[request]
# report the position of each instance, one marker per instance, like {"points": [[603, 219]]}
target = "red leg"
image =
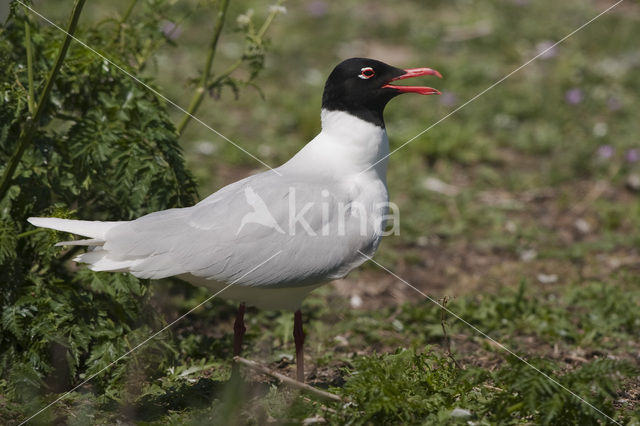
{"points": [[298, 336], [238, 331]]}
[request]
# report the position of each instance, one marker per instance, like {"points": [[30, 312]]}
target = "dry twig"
{"points": [[287, 380]]}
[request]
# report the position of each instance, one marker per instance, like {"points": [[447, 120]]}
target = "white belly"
{"points": [[287, 298]]}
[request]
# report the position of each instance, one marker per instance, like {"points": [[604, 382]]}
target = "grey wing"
{"points": [[307, 229]]}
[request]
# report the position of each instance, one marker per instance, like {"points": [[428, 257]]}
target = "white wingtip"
{"points": [[91, 229], [90, 242], [37, 221]]}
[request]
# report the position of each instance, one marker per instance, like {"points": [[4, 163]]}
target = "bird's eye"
{"points": [[366, 73]]}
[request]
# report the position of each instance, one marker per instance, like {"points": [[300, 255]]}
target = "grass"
{"points": [[537, 246]]}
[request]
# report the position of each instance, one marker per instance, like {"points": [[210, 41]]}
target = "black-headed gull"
{"points": [[279, 234]]}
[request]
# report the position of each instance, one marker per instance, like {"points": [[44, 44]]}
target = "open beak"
{"points": [[415, 72]]}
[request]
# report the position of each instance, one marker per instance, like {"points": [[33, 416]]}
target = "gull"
{"points": [[305, 223]]}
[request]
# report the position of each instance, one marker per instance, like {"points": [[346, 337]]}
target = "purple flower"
{"points": [[632, 155], [546, 46], [614, 103], [574, 96], [606, 151], [317, 8], [448, 99], [170, 30]]}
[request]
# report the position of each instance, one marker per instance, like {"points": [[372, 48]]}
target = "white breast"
{"points": [[345, 151], [346, 146]]}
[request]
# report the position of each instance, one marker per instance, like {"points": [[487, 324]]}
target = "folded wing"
{"points": [[312, 227]]}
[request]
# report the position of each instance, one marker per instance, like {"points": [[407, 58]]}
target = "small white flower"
{"points": [[528, 255], [355, 301], [206, 148], [547, 278], [265, 150], [460, 412], [245, 19], [276, 8], [600, 129]]}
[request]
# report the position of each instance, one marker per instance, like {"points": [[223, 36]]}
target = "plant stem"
{"points": [[30, 127], [27, 41], [202, 87], [267, 22], [127, 13], [31, 232], [226, 73], [155, 46], [447, 339], [122, 22]]}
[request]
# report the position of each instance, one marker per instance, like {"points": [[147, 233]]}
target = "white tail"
{"points": [[96, 257]]}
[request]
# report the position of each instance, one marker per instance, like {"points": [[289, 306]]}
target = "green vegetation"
{"points": [[92, 141], [408, 387], [534, 241]]}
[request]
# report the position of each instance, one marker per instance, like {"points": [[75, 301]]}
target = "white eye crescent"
{"points": [[366, 73]]}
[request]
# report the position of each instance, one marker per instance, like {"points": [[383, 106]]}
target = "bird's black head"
{"points": [[361, 87]]}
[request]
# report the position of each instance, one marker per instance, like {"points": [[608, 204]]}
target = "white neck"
{"points": [[346, 145]]}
